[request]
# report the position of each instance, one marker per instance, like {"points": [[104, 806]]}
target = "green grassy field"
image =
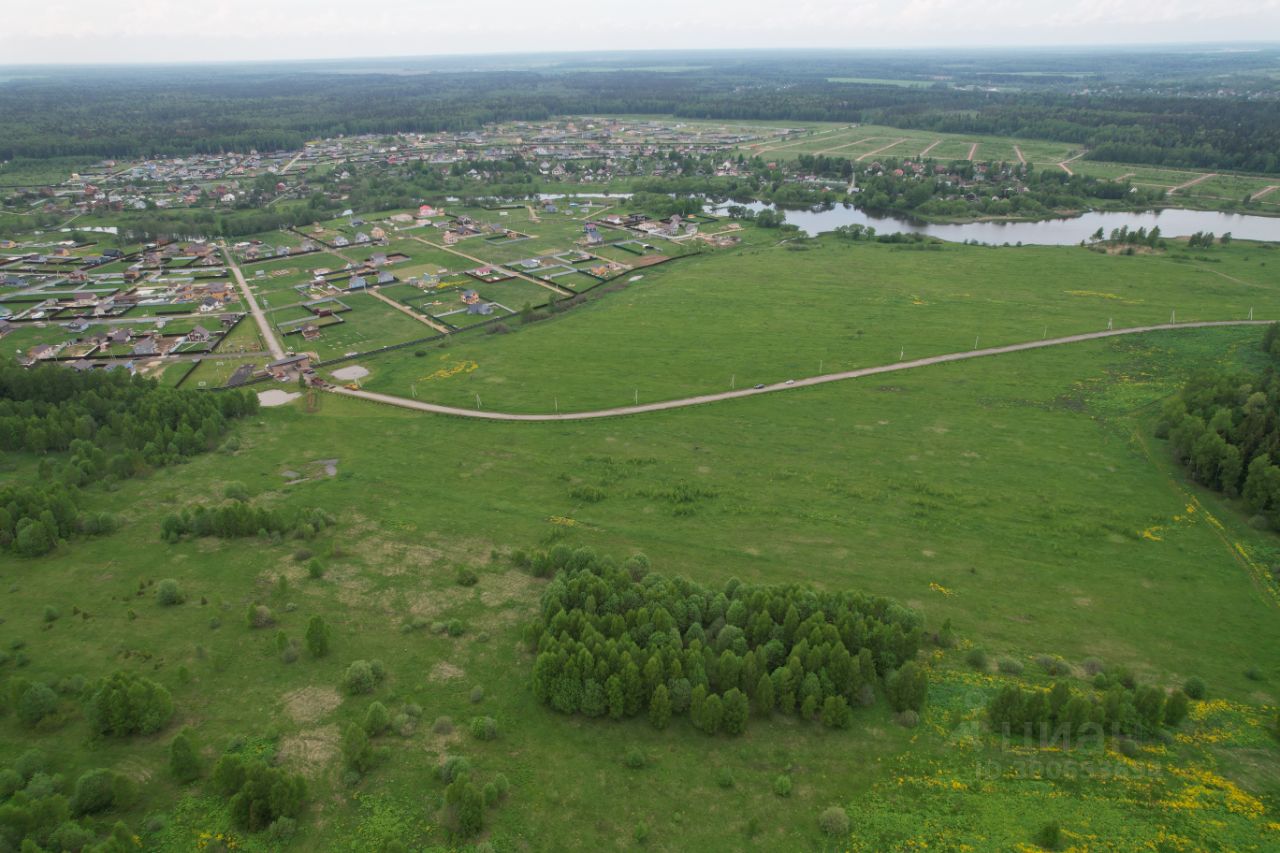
{"points": [[768, 313], [1008, 495]]}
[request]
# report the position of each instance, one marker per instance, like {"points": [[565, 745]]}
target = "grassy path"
{"points": [[781, 386]]}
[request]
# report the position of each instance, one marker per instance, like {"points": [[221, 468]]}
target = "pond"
{"points": [[1055, 232]]}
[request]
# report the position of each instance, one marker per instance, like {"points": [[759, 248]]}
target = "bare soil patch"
{"points": [[309, 704], [311, 751]]}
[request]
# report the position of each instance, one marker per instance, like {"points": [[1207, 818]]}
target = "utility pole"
{"points": [[477, 401], [1173, 316], [637, 396], [733, 381], [975, 342]]}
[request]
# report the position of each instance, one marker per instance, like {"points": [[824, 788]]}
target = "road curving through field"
{"points": [[703, 399]]}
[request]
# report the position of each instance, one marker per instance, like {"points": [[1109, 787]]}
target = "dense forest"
{"points": [[1137, 108], [618, 641], [93, 427]]}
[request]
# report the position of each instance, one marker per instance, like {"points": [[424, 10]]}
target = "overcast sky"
{"points": [[61, 31]]}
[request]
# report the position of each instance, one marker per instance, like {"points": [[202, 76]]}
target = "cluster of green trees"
{"points": [[998, 189], [259, 795], [94, 426], [1122, 236], [1063, 713], [238, 519], [618, 641], [1204, 240], [39, 811], [1225, 428]]}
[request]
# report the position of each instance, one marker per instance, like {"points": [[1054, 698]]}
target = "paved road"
{"points": [[268, 334], [780, 386]]}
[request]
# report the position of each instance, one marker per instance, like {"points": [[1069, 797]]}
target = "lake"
{"points": [[1054, 232]]}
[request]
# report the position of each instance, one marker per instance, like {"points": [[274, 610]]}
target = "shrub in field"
{"points": [[782, 785], [260, 616], [357, 752], [634, 758], [834, 821], [466, 576], [463, 808], [125, 704], [362, 676], [453, 768], [1009, 666], [377, 719], [36, 702], [259, 795], [977, 658], [184, 759], [100, 790], [168, 593], [908, 688], [317, 637], [442, 725], [477, 694], [1195, 688], [483, 728]]}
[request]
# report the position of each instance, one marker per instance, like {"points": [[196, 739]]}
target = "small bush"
{"points": [[453, 768], [377, 719], [782, 785], [1128, 747], [977, 658], [1252, 673], [1091, 666], [1195, 688], [466, 576], [1053, 665], [315, 569], [168, 593], [442, 725], [361, 677], [908, 719], [260, 616], [1049, 836], [455, 628], [51, 613], [236, 491], [95, 792], [1009, 666], [724, 777], [634, 758], [477, 694], [641, 833], [483, 728], [834, 821], [36, 702]]}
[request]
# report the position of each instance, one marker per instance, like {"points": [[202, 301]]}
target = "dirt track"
{"points": [[780, 386]]}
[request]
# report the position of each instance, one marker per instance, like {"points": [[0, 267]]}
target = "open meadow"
{"points": [[770, 312], [1008, 495]]}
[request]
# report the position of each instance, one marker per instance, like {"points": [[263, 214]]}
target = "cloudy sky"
{"points": [[203, 30]]}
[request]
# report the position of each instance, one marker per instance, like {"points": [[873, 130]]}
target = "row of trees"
{"points": [[617, 641], [1225, 428], [94, 426], [1062, 713], [239, 519]]}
